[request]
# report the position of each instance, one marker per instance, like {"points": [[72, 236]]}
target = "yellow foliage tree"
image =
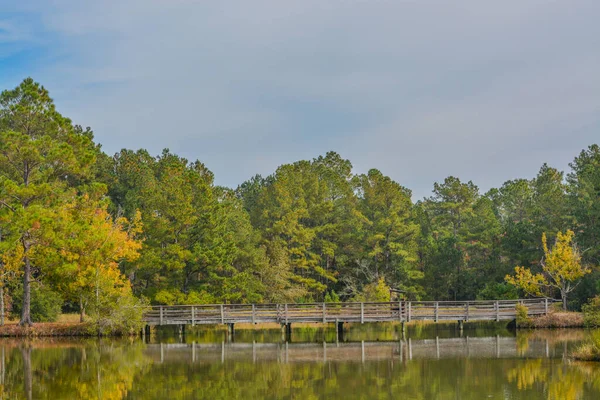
{"points": [[94, 245], [376, 291], [561, 269]]}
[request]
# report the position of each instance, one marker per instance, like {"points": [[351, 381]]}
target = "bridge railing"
{"points": [[343, 312]]}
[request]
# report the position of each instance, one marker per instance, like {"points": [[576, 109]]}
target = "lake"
{"points": [[427, 364]]}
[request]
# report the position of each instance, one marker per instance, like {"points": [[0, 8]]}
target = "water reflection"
{"points": [[528, 366], [437, 348]]}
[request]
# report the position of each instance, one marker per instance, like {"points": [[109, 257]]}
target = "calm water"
{"points": [[434, 365]]}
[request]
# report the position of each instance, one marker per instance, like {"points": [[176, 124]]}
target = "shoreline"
{"points": [[555, 320]]}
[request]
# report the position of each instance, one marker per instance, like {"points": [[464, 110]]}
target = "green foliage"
{"points": [[174, 296], [46, 304], [103, 230], [331, 297], [591, 313], [43, 157], [498, 291], [374, 292]]}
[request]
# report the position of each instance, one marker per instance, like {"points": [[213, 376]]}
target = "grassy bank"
{"points": [[553, 320], [65, 325]]}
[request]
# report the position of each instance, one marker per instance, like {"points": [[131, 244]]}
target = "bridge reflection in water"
{"points": [[404, 350]]}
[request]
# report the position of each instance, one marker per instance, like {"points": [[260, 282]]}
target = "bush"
{"points": [[45, 303], [591, 313], [522, 315], [119, 314]]}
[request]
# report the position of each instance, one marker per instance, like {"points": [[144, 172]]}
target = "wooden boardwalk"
{"points": [[400, 311]]}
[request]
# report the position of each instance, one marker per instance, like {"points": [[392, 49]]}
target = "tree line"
{"points": [[102, 233]]}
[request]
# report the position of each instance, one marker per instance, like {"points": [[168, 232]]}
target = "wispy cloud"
{"points": [[484, 90]]}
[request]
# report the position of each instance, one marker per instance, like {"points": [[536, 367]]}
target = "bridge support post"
{"points": [[230, 332], [147, 329], [339, 331], [288, 331], [403, 329]]}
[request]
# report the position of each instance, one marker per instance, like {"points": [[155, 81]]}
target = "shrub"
{"points": [[120, 315], [45, 303], [522, 315], [591, 312]]}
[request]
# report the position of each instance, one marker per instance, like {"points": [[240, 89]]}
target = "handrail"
{"points": [[400, 310]]}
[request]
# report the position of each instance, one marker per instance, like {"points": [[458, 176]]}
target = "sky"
{"points": [[483, 90]]}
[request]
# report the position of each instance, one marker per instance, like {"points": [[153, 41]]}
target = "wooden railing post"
{"points": [[546, 306], [362, 313], [408, 318], [161, 315], [436, 311], [286, 313], [193, 316], [497, 311], [324, 320], [467, 311], [222, 314], [253, 314]]}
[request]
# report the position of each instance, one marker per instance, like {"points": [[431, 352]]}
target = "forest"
{"points": [[104, 234]]}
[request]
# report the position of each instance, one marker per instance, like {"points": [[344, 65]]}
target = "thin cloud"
{"points": [[484, 90]]}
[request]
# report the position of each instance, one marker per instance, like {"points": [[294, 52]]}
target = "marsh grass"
{"points": [[554, 320], [590, 349]]}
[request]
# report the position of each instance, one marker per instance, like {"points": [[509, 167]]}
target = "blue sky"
{"points": [[486, 91]]}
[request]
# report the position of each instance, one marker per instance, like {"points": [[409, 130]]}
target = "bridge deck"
{"points": [[343, 312]]}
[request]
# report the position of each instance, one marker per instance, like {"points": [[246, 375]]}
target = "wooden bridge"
{"points": [[400, 311]]}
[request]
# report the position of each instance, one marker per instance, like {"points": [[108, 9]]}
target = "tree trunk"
{"points": [[564, 300], [1, 304], [81, 310], [26, 311], [27, 375]]}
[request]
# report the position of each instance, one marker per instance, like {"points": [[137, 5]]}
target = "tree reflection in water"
{"points": [[527, 367]]}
